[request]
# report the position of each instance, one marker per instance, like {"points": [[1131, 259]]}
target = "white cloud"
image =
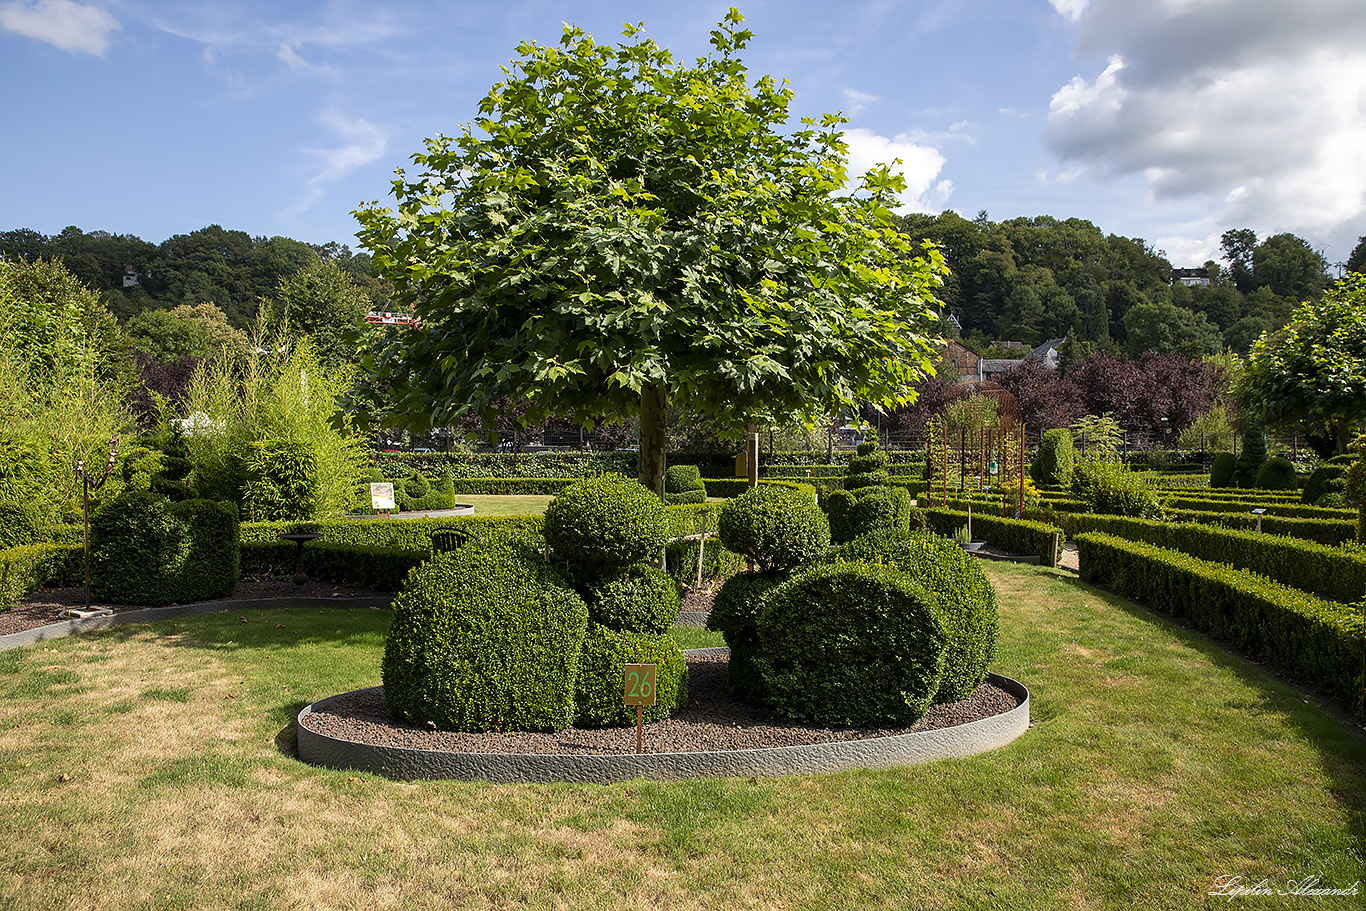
{"points": [[920, 165], [1190, 252], [290, 57], [857, 101], [62, 23], [1261, 113], [1070, 9], [362, 143]]}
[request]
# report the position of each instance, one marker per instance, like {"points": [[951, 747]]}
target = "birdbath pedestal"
{"points": [[300, 538]]}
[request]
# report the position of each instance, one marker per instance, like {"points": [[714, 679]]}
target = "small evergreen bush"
{"points": [[868, 468], [734, 614], [137, 549], [1328, 480], [1222, 469], [1056, 460], [1277, 473], [484, 639], [599, 690], [857, 512], [639, 599], [1252, 457], [683, 484], [611, 521], [851, 644], [213, 563], [776, 528]]}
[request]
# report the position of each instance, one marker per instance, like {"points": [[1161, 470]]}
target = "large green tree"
{"points": [[323, 301], [617, 232], [1314, 369]]}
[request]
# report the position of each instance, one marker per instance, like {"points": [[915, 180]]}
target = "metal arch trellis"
{"points": [[89, 485]]}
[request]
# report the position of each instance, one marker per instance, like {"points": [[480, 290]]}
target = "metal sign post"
{"points": [[640, 692]]}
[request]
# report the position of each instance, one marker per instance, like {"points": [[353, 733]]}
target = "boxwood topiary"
{"points": [[966, 600], [137, 548], [599, 691], [1221, 470], [1277, 473], [734, 614], [640, 599], [609, 521], [777, 528], [1328, 480], [851, 644], [484, 638], [212, 566], [1056, 459], [857, 512]]}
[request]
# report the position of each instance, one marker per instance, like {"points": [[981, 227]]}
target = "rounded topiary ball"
{"points": [[606, 521], [1277, 473], [600, 688], [641, 599], [484, 639], [1222, 469], [851, 644], [952, 577], [777, 528]]}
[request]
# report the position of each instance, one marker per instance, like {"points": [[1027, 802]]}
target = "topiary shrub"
{"points": [[1221, 470], [1251, 459], [604, 522], [868, 468], [734, 614], [137, 550], [683, 484], [1056, 460], [484, 639], [213, 563], [599, 690], [857, 512], [640, 599], [1109, 488], [965, 595], [778, 529], [1326, 481], [1277, 473], [851, 644]]}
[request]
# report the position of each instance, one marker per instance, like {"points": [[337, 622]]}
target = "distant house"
{"points": [[1191, 278], [131, 278], [973, 369]]}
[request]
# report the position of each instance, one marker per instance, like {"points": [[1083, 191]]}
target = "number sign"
{"points": [[640, 684]]}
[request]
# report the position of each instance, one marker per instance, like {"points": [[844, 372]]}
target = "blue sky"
{"points": [[1170, 120]]}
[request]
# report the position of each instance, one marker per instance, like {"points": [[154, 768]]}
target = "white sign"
{"points": [[382, 495]]}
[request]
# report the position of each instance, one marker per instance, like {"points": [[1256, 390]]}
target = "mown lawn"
{"points": [[150, 767]]}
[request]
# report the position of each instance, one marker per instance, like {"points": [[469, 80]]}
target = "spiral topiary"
{"points": [[778, 529], [605, 522], [851, 644]]}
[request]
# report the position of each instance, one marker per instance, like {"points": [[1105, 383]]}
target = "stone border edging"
{"points": [[809, 759], [151, 614]]}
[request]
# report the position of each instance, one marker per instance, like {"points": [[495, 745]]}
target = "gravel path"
{"points": [[708, 722]]}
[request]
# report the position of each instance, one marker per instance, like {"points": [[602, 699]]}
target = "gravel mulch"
{"points": [[708, 722]]}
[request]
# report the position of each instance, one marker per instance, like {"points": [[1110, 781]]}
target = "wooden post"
{"points": [[1019, 510], [753, 448]]}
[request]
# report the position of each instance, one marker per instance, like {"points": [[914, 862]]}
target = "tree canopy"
{"points": [[1315, 368], [617, 231]]}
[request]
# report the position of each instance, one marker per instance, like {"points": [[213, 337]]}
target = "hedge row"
{"points": [[1331, 532], [1320, 640], [29, 567], [726, 488], [1251, 500], [506, 486], [557, 463], [1262, 496], [397, 534], [1018, 536], [381, 569], [1327, 572], [906, 471]]}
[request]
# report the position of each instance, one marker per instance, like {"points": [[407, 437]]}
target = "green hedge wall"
{"points": [[1328, 572], [505, 486], [380, 569], [728, 488], [717, 563], [1331, 532], [26, 568], [399, 534], [1018, 536], [1251, 500], [1321, 640]]}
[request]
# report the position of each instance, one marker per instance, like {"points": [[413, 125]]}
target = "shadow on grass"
{"points": [[1334, 732]]}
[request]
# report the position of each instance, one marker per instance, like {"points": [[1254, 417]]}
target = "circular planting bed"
{"points": [[711, 736]]}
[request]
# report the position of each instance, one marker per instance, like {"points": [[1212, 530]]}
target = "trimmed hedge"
{"points": [[28, 567], [380, 569], [598, 692], [1328, 572], [1055, 460], [1316, 639], [484, 639], [1018, 536], [717, 562], [857, 512], [735, 615], [728, 488], [1222, 469], [23, 522], [1277, 473], [777, 528], [683, 484], [400, 534], [1324, 531], [607, 521], [965, 596], [1249, 501], [851, 644], [506, 486]]}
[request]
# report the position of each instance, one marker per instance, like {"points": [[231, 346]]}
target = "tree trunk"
{"points": [[653, 400], [752, 450]]}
